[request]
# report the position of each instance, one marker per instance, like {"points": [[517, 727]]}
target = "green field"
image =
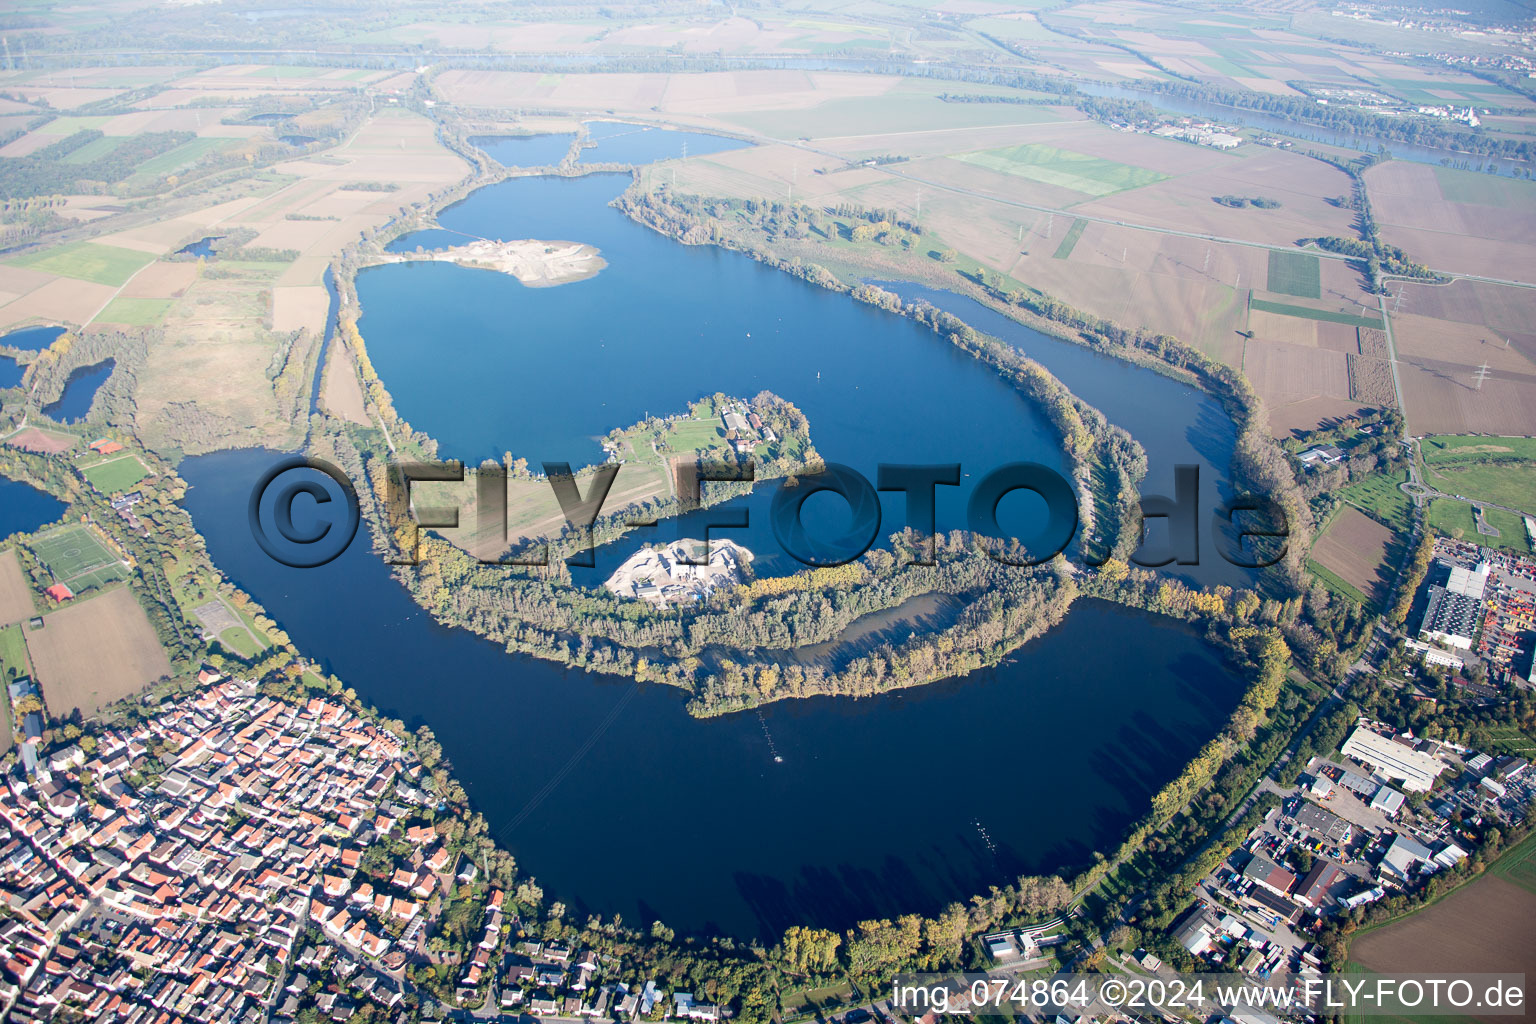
{"points": [[240, 641], [1512, 484], [1455, 518], [1069, 240], [1483, 189], [134, 312], [1308, 313], [69, 125], [13, 653], [1518, 864], [1090, 175], [87, 261], [1446, 449], [1508, 739], [77, 558], [911, 106], [1378, 495], [1295, 273], [94, 150], [1338, 585], [174, 159], [117, 475]]}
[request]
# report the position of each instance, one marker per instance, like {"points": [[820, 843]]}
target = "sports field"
{"points": [[1090, 175], [1295, 273], [116, 475], [95, 652], [78, 558], [87, 261]]}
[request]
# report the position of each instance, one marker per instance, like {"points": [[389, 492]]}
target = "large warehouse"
{"points": [[1387, 757]]}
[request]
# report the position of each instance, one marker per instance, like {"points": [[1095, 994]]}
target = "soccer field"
{"points": [[117, 475], [77, 558]]}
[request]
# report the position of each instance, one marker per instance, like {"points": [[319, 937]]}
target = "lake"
{"points": [[11, 372], [524, 150], [23, 508], [666, 324], [31, 339], [618, 801], [79, 392], [605, 789], [619, 142]]}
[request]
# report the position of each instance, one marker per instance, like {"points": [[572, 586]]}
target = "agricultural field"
{"points": [[1354, 550], [15, 591], [1302, 385], [134, 312], [94, 652], [78, 558], [1380, 495], [86, 261], [1294, 273], [1070, 239], [1312, 313], [1473, 223], [1079, 172], [1489, 920], [116, 475]]}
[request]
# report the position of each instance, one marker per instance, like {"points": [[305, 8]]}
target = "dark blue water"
{"points": [[296, 140], [622, 143], [23, 508], [524, 150], [666, 324], [487, 366], [79, 392], [11, 372], [1175, 423], [31, 339], [202, 247], [873, 811]]}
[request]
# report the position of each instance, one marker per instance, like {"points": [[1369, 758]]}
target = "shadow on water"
{"points": [[822, 810], [23, 508], [873, 808], [74, 404]]}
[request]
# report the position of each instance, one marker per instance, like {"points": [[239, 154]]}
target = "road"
{"points": [[1417, 490]]}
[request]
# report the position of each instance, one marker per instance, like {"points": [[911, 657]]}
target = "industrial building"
{"points": [[1323, 823], [1390, 759], [1450, 618]]}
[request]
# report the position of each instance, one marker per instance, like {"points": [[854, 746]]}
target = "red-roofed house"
{"points": [[59, 593]]}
